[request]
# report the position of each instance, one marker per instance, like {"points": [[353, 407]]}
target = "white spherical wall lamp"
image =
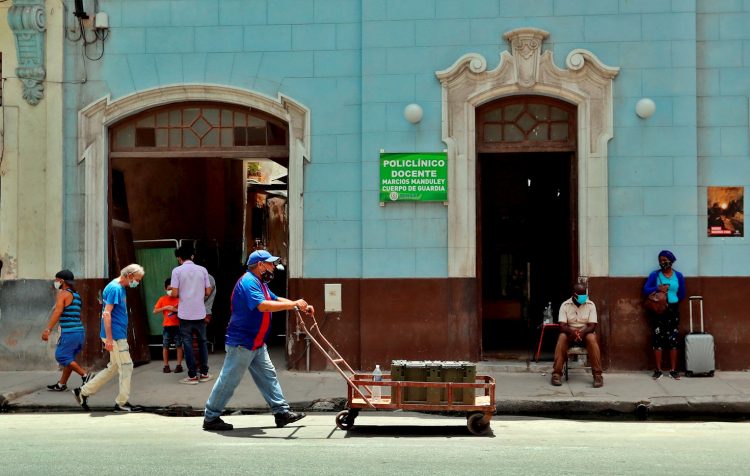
{"points": [[413, 113], [645, 108]]}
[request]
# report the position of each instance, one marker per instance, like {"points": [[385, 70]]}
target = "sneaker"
{"points": [[166, 369], [127, 408], [217, 424], [190, 380], [598, 381], [57, 387], [205, 377], [556, 381], [178, 369], [283, 419], [81, 399], [674, 374], [657, 375], [86, 378]]}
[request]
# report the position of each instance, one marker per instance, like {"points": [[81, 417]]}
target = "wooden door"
{"points": [[123, 254]]}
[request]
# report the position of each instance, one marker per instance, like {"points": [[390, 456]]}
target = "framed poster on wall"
{"points": [[726, 211]]}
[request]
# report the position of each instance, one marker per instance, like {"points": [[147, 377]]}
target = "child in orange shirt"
{"points": [[171, 326]]}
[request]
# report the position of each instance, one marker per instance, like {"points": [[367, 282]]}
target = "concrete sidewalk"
{"points": [[521, 389]]}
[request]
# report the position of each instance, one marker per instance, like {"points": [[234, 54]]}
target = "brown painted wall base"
{"points": [[437, 319], [386, 319], [626, 332], [25, 306]]}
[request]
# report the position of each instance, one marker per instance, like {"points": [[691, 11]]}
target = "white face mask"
{"points": [[169, 292], [57, 284]]}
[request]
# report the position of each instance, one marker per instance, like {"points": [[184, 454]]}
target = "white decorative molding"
{"points": [[587, 83], [95, 119]]}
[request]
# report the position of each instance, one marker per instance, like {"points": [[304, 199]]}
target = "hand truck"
{"points": [[360, 396]]}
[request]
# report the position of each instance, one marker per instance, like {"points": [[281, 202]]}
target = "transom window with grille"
{"points": [[526, 122], [204, 126]]}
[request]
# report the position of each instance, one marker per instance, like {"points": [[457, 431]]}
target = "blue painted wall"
{"points": [[357, 63], [723, 62]]}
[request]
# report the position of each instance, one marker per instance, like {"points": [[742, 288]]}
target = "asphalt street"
{"points": [[380, 443]]}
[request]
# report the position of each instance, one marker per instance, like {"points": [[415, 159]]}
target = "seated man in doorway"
{"points": [[578, 322]]}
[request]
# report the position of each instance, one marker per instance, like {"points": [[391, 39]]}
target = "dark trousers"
{"points": [[186, 329], [592, 346]]}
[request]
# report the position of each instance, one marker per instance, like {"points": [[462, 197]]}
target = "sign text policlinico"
{"points": [[429, 176]]}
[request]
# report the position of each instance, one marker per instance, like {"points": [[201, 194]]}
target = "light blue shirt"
{"points": [[114, 294], [674, 286]]}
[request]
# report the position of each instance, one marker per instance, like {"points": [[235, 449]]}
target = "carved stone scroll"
{"points": [[28, 21]]}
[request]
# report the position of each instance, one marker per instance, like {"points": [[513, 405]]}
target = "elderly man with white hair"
{"points": [[114, 335]]}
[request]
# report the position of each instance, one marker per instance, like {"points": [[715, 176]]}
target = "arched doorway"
{"points": [[527, 216], [526, 69], [208, 174]]}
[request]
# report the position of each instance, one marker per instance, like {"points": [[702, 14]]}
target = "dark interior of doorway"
{"points": [[528, 217], [210, 204]]}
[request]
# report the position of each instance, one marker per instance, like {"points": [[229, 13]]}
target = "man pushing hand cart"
{"points": [[247, 332]]}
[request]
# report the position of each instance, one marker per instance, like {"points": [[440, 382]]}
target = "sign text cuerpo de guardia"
{"points": [[414, 176]]}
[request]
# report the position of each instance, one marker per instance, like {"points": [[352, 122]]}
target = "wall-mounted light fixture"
{"points": [[413, 113], [645, 108]]}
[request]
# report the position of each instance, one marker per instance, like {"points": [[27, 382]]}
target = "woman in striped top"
{"points": [[67, 313]]}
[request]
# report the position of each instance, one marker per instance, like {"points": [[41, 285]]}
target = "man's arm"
{"points": [[175, 282], [590, 327], [107, 320], [569, 331], [60, 303], [208, 292], [284, 304]]}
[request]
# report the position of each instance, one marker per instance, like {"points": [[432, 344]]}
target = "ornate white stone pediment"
{"points": [[526, 69]]}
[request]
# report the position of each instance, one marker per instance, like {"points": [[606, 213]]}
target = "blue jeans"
{"points": [[186, 329], [261, 369]]}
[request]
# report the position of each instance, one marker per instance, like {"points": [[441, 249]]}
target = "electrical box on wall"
{"points": [[333, 298], [101, 21]]}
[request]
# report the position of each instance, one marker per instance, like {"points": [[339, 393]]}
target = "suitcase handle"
{"points": [[700, 300]]}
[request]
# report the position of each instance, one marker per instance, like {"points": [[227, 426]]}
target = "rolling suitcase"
{"points": [[699, 347]]}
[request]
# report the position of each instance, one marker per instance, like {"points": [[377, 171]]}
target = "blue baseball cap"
{"points": [[261, 255]]}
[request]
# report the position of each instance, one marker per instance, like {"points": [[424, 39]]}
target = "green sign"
{"points": [[421, 177]]}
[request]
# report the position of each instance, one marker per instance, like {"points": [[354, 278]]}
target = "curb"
{"points": [[320, 405], [7, 397], [724, 407]]}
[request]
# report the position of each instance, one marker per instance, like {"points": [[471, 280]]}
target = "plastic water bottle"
{"points": [[548, 313], [377, 376]]}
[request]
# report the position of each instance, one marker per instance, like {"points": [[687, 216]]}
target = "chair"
{"points": [[575, 352]]}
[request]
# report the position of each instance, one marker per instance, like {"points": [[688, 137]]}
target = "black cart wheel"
{"points": [[711, 373], [476, 426], [689, 373], [344, 420]]}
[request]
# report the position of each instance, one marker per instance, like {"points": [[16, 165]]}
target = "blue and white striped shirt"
{"points": [[70, 319]]}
